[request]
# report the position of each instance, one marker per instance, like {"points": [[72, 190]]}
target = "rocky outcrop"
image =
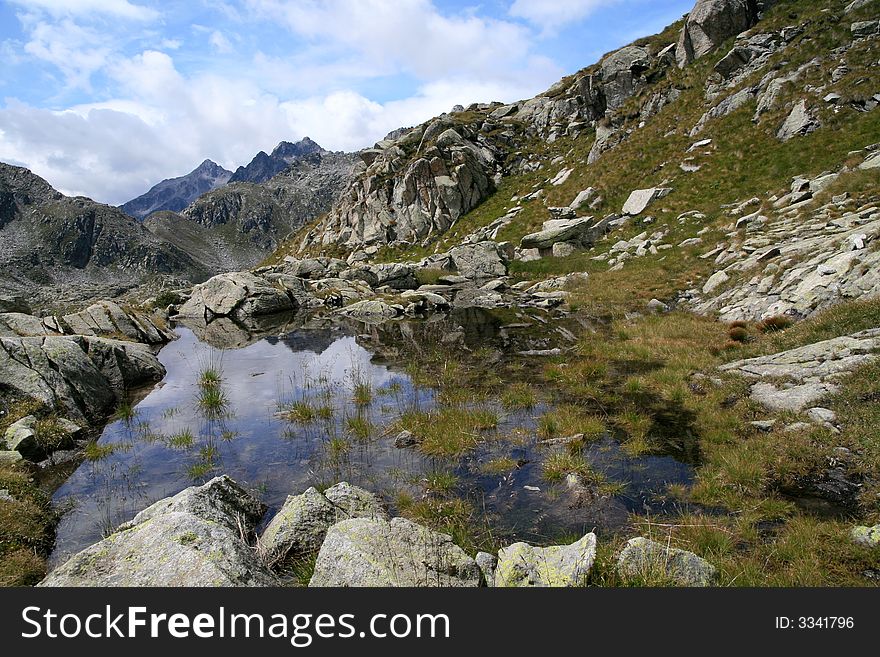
{"points": [[23, 436], [798, 123], [299, 527], [523, 565], [645, 560], [81, 376], [373, 552], [196, 538], [810, 372], [867, 536], [710, 23], [417, 186]]}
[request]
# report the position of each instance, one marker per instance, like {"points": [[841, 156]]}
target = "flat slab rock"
{"points": [[398, 553], [810, 370]]}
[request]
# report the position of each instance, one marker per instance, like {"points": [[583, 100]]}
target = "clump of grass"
{"points": [[125, 412], [429, 276], [325, 412], [96, 452], [774, 323], [568, 420], [210, 377], [362, 393], [499, 466], [301, 412], [636, 425], [519, 396], [337, 448], [360, 427], [440, 482], [448, 431], [181, 440], [50, 434], [213, 401], [559, 465], [738, 334]]}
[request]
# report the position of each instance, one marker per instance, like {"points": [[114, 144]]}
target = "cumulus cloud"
{"points": [[551, 15], [157, 115], [115, 8]]}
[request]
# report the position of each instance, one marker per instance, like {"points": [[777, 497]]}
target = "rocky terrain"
{"points": [[693, 220], [174, 194], [264, 167]]}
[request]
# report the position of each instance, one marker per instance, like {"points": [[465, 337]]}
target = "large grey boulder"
{"points": [[19, 324], [639, 200], [192, 539], [710, 23], [643, 559], [523, 565], [23, 437], [801, 377], [622, 74], [239, 295], [299, 527], [399, 553], [798, 123], [581, 231], [396, 275], [172, 549], [479, 261], [109, 319]]}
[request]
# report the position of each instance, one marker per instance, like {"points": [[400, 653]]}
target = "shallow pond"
{"points": [[175, 437]]}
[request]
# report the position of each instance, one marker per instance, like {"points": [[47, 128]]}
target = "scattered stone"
{"points": [[523, 565], [867, 536], [657, 306], [715, 281], [640, 199], [764, 425], [487, 563], [643, 559], [798, 123], [822, 415]]}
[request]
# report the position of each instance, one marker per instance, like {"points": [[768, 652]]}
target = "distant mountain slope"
{"points": [[263, 167], [60, 249], [238, 225], [176, 193]]}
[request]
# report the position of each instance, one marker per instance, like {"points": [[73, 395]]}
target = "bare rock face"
{"points": [[710, 23], [798, 123]]}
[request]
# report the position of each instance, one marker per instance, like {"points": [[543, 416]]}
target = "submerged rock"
{"points": [[645, 559], [375, 552], [522, 564], [192, 539]]}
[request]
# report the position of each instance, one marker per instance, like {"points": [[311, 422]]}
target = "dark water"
{"points": [[172, 442]]}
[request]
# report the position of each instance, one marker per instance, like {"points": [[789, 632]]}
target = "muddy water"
{"points": [[172, 441]]}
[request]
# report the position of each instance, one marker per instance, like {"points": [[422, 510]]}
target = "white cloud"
{"points": [[409, 35], [76, 51], [220, 43], [551, 15], [115, 8]]}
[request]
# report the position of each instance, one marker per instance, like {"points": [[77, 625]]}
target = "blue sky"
{"points": [[107, 97]]}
